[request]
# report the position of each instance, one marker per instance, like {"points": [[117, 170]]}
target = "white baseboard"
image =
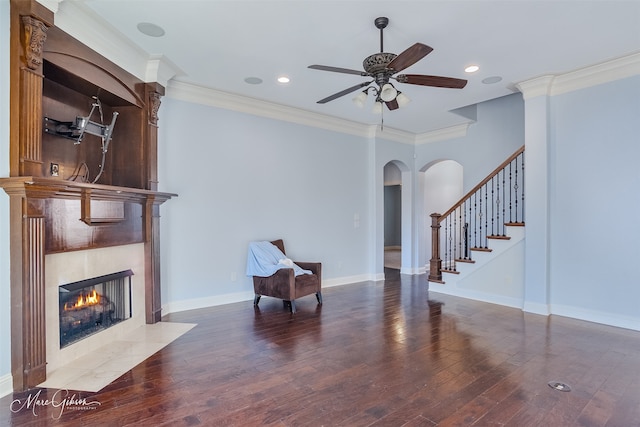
{"points": [[542, 309], [596, 317], [413, 271], [348, 280], [475, 295], [536, 308], [212, 301], [215, 300], [6, 385]]}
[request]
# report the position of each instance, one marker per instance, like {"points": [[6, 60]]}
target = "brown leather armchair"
{"points": [[285, 285]]}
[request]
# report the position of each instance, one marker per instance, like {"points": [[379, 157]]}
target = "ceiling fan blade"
{"points": [[392, 105], [409, 57], [344, 92], [337, 70], [436, 81]]}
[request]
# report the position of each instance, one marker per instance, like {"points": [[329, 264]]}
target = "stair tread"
{"points": [[499, 237]]}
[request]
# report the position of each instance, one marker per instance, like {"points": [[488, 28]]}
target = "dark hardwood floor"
{"points": [[375, 354]]}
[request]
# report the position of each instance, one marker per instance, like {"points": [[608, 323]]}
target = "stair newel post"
{"points": [[435, 264]]}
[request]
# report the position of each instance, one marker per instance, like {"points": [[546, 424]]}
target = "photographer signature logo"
{"points": [[60, 401]]}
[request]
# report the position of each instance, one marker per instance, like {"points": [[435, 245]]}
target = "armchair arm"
{"points": [[279, 285], [315, 267]]}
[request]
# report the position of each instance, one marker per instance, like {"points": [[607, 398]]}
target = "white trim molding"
{"points": [[6, 385], [161, 69], [80, 22], [551, 85], [604, 318], [451, 132], [215, 98]]}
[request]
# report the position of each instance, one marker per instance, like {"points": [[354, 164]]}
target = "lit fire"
{"points": [[84, 300]]}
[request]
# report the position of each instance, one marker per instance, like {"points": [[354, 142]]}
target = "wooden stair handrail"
{"points": [[483, 182]]}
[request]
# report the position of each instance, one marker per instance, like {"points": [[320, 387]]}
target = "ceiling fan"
{"points": [[382, 67]]}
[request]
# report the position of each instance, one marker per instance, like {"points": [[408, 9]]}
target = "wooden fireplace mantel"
{"points": [[53, 75], [44, 188]]}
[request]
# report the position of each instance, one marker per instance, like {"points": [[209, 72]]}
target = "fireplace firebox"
{"points": [[92, 305]]}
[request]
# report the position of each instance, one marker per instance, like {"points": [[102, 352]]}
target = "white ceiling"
{"points": [[217, 44]]}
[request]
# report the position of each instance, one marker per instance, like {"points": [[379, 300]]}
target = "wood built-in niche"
{"points": [[56, 203]]}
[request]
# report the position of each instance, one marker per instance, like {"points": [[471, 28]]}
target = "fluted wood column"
{"points": [[29, 23], [28, 324], [153, 302]]}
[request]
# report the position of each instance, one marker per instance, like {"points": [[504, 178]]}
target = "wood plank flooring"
{"points": [[375, 354]]}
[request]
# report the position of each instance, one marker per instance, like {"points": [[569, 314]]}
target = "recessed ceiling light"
{"points": [[491, 80], [471, 69], [253, 80], [283, 79], [150, 29]]}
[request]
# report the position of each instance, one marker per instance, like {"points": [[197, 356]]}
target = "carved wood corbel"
{"points": [[35, 34], [154, 106]]}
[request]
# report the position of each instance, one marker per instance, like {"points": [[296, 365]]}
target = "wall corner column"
{"points": [[537, 128]]}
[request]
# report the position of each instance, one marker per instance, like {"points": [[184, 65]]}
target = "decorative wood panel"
{"points": [[34, 326], [51, 73]]}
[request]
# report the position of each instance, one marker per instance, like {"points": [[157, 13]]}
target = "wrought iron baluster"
{"points": [[522, 192], [486, 216], [475, 220], [515, 189], [459, 210], [493, 213], [479, 218], [452, 265], [510, 194], [467, 255], [466, 231], [504, 199]]}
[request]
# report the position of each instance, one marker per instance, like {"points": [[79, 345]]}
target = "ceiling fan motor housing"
{"points": [[377, 62]]}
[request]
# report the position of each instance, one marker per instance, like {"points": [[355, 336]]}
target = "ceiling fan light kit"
{"points": [[388, 92], [382, 67]]}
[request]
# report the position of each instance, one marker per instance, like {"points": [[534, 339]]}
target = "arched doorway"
{"points": [[442, 187], [397, 213]]}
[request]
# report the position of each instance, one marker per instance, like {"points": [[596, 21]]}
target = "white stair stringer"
{"points": [[496, 276]]}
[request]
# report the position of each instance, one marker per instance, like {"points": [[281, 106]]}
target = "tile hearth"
{"points": [[95, 370]]}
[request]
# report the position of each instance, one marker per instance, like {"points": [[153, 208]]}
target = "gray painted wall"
{"points": [[594, 202], [242, 178]]}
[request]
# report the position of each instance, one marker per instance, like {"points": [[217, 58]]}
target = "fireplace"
{"points": [[92, 305]]}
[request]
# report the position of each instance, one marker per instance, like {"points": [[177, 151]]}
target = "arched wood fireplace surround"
{"points": [[51, 210]]}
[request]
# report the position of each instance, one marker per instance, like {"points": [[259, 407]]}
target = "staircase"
{"points": [[477, 245]]}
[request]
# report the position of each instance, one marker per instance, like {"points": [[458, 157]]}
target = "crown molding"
{"points": [[215, 98], [451, 132], [395, 135], [605, 72], [161, 69], [80, 22], [539, 86]]}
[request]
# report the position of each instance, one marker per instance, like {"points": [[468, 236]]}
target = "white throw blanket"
{"points": [[264, 259]]}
